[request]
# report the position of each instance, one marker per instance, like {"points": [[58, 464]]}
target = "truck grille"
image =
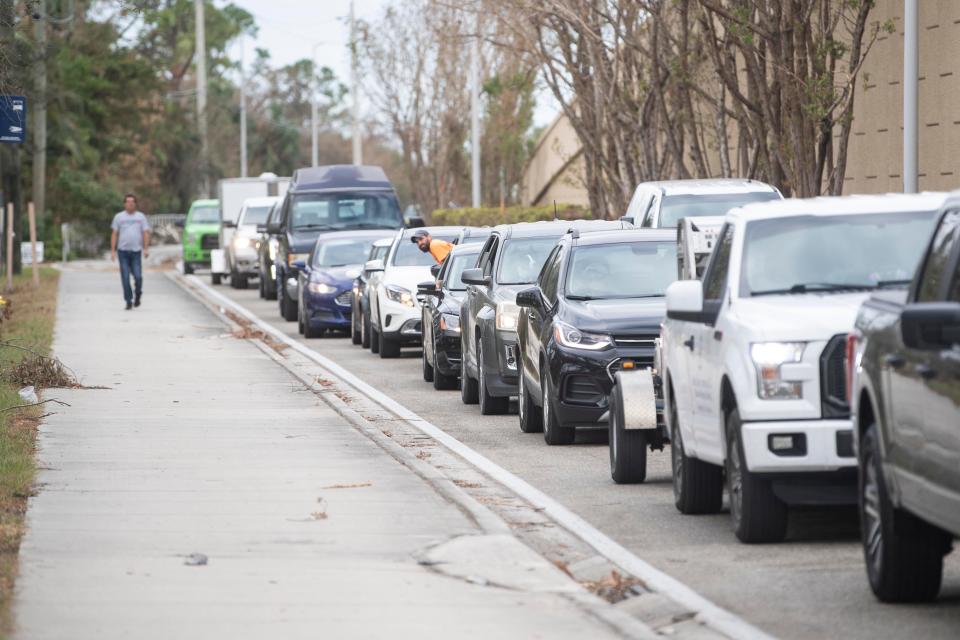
{"points": [[209, 241], [833, 379], [345, 299], [583, 390]]}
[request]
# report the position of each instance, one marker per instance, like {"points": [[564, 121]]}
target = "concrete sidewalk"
{"points": [[201, 444]]}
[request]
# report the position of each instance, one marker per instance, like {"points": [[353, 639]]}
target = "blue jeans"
{"points": [[130, 264]]}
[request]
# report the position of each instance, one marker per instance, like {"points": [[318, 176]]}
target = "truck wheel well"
{"points": [[728, 400], [865, 416]]}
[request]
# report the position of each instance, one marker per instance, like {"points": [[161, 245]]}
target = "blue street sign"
{"points": [[13, 119]]}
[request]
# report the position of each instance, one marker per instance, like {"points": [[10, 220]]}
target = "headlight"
{"points": [[570, 336], [507, 315], [321, 288], [272, 248], [293, 257], [399, 294], [768, 357], [450, 322], [241, 242]]}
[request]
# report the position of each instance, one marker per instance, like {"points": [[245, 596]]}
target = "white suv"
{"points": [[753, 356], [663, 203], [392, 291], [241, 251]]}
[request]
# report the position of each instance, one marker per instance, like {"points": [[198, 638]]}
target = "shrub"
{"points": [[490, 216]]}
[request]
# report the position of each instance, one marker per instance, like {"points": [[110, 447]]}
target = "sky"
{"points": [[290, 29]]}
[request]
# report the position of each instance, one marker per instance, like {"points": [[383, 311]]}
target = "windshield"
{"points": [[345, 211], [454, 272], [818, 253], [205, 215], [340, 253], [622, 270], [409, 255], [255, 215], [523, 259], [689, 206]]}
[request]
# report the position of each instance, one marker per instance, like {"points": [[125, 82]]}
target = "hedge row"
{"points": [[490, 216]]}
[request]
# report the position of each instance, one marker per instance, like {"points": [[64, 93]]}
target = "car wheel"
{"points": [[374, 340], [299, 323], [355, 320], [489, 405], [553, 433], [261, 287], [389, 348], [628, 448], [288, 307], [428, 372], [757, 514], [187, 268], [697, 485], [234, 279], [308, 331], [904, 554], [469, 392], [215, 278], [365, 331], [531, 420], [269, 288]]}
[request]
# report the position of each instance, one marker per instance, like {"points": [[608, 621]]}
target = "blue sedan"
{"points": [[325, 283]]}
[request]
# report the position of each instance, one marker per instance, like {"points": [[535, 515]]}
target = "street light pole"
{"points": [[475, 114], [314, 125], [355, 90], [911, 73], [201, 43], [243, 112]]}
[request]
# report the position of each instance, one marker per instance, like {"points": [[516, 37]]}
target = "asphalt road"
{"points": [[812, 586]]}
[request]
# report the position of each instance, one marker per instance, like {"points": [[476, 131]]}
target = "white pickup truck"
{"points": [[753, 355]]}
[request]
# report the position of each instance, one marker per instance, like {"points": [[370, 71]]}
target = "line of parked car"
{"points": [[791, 352]]}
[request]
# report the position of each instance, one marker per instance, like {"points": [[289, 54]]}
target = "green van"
{"points": [[201, 233]]}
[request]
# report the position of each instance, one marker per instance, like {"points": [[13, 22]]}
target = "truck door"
{"points": [[706, 365]]}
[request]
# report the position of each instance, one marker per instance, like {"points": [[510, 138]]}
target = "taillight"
{"points": [[850, 354]]}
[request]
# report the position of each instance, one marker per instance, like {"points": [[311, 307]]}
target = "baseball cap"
{"points": [[419, 233]]}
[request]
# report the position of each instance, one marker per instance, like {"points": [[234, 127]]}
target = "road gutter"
{"points": [[701, 610]]}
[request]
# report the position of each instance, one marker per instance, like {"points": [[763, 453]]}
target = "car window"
{"points": [[648, 215], [341, 253], [636, 206], [205, 215], [485, 252], [344, 211], [491, 257], [254, 215], [715, 280], [550, 276], [691, 206], [640, 269], [408, 254], [941, 248], [523, 259], [453, 271]]}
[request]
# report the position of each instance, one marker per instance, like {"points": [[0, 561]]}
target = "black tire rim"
{"points": [[735, 478], [872, 522], [676, 452]]}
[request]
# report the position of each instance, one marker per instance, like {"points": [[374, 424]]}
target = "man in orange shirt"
{"points": [[439, 249]]}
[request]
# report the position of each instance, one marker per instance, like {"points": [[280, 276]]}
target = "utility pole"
{"points": [[40, 111], [201, 47], [475, 114], [314, 108], [355, 90], [911, 73], [243, 112]]}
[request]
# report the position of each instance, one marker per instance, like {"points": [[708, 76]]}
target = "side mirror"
{"points": [[413, 222], [299, 265], [685, 300], [428, 288], [529, 297], [930, 325], [475, 277], [228, 224], [373, 265], [180, 224], [261, 228], [435, 269], [273, 228]]}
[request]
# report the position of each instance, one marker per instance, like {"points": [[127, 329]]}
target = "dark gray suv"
{"points": [[509, 261]]}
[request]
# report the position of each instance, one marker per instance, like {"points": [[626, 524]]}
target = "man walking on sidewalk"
{"points": [[131, 236]]}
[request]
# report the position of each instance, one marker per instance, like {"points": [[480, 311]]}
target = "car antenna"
{"points": [[555, 216]]}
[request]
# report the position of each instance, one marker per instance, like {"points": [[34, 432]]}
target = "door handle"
{"points": [[531, 315], [893, 360], [718, 335], [925, 372], [688, 343]]}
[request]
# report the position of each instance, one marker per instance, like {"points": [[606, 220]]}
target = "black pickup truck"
{"points": [[903, 360]]}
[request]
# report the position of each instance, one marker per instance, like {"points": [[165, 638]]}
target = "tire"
{"points": [[531, 420], [553, 433], [758, 515], [489, 405], [187, 268], [215, 278], [628, 448], [697, 485], [261, 287], [365, 331], [300, 323], [904, 554], [355, 320], [288, 307], [428, 372], [234, 279], [269, 289], [469, 390], [374, 340], [309, 332], [388, 348]]}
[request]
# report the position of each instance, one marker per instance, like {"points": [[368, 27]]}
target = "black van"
{"points": [[323, 199]]}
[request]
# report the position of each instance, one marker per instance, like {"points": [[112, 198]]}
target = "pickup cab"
{"points": [[753, 356], [904, 371]]}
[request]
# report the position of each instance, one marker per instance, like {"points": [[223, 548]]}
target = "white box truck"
{"points": [[232, 193]]}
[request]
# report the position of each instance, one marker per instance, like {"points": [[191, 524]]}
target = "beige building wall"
{"points": [[875, 159]]}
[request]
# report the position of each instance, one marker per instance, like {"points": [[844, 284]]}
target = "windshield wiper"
{"points": [[883, 284], [314, 226], [574, 297], [372, 225], [816, 287]]}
